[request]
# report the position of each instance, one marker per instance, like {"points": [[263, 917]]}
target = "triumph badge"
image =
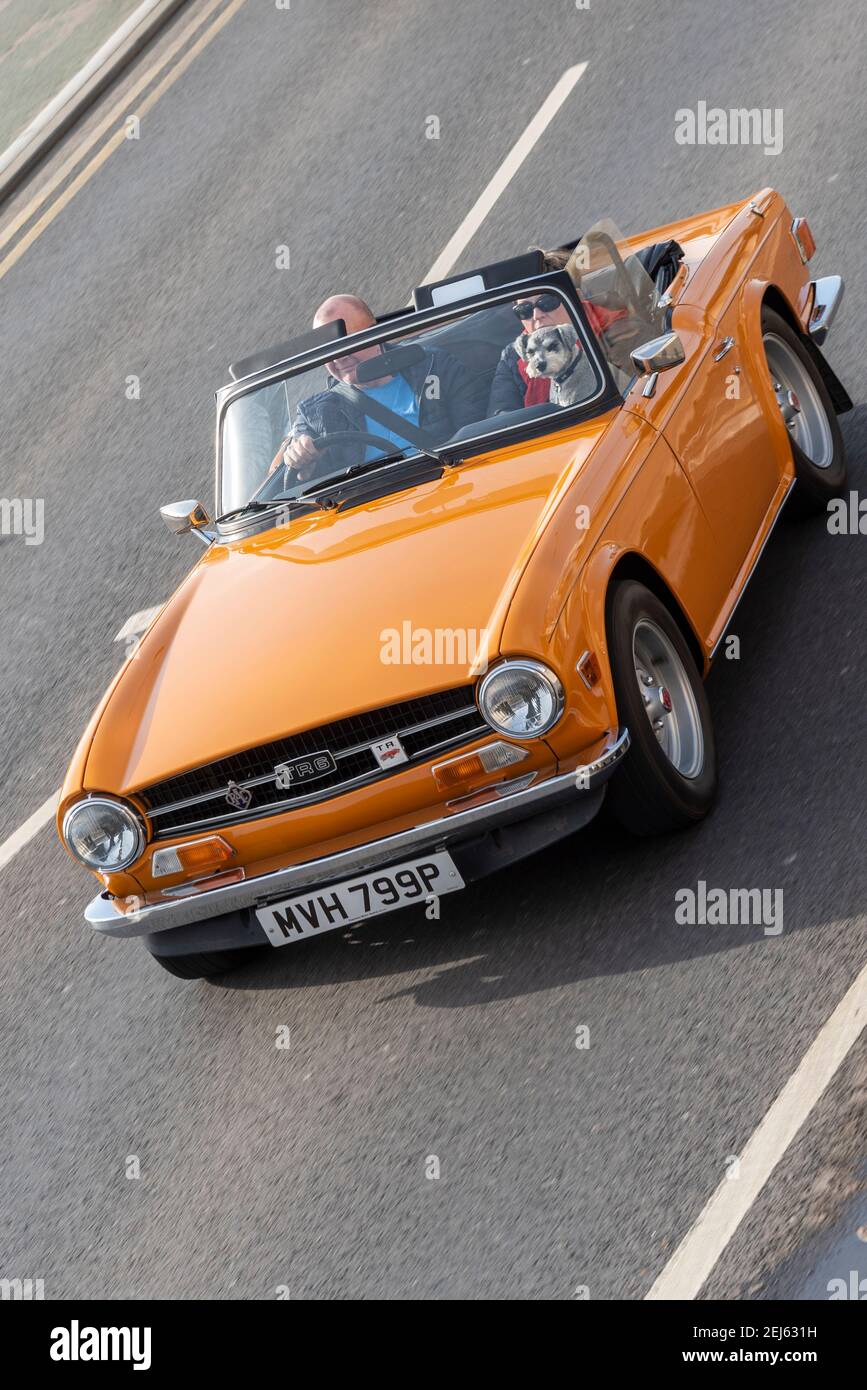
{"points": [[239, 797]]}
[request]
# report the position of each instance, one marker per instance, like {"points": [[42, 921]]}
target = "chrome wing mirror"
{"points": [[181, 517], [655, 356]]}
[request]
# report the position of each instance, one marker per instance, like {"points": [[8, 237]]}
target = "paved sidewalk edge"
{"points": [[55, 119]]}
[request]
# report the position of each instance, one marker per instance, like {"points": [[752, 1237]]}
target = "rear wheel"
{"points": [[668, 778], [809, 416], [206, 966]]}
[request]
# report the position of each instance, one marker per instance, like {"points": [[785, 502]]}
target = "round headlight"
{"points": [[521, 698], [103, 834]]}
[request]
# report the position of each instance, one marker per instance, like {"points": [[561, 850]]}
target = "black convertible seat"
{"points": [[661, 261]]}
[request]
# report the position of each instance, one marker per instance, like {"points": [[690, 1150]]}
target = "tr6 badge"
{"points": [[296, 770]]}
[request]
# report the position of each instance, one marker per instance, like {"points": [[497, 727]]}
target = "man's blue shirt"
{"points": [[396, 395]]}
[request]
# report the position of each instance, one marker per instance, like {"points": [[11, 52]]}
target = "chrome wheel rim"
{"points": [[800, 404], [668, 698]]}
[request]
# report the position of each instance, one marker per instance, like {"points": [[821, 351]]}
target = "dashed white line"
{"points": [[138, 623], [691, 1264], [506, 172], [45, 813], [32, 826]]}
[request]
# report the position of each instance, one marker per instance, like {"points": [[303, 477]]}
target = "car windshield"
{"points": [[406, 393], [620, 299]]}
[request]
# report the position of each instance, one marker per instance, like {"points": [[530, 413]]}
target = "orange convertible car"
{"points": [[467, 571]]}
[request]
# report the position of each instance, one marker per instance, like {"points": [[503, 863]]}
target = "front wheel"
{"points": [[206, 966], [808, 414], [668, 779]]}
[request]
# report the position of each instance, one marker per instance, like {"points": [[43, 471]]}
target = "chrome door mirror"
{"points": [[181, 517], [658, 355]]}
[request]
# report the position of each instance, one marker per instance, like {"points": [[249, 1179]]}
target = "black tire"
{"points": [[648, 794], [816, 486], [206, 967]]}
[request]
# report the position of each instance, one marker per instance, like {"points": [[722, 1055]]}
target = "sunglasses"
{"points": [[526, 309]]}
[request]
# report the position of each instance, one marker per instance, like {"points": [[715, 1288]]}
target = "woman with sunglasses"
{"points": [[511, 388]]}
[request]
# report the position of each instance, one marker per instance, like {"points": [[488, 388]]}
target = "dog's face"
{"points": [[548, 351]]}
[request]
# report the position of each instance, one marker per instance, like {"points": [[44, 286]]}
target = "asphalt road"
{"points": [[560, 1167]]}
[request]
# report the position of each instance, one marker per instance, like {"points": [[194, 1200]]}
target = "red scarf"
{"points": [[538, 387]]}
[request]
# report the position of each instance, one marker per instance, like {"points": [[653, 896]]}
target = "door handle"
{"points": [[725, 346]]}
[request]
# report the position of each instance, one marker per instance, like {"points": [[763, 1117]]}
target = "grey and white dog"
{"points": [[554, 352]]}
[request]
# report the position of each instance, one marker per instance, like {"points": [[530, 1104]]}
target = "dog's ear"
{"points": [[521, 346], [568, 336]]}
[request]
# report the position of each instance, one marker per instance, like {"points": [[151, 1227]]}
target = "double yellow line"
{"points": [[124, 108]]}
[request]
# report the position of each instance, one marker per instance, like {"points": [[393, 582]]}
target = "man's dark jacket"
{"points": [[442, 391]]}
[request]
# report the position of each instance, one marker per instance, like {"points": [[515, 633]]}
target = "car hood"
{"points": [[334, 613]]}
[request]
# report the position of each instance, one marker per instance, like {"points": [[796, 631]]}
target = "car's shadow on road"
{"points": [[791, 727]]}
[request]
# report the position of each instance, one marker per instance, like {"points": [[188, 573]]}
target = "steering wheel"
{"points": [[324, 442]]}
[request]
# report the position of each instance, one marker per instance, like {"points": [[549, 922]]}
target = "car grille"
{"points": [[197, 798]]}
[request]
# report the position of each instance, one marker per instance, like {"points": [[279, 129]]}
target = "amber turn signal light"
{"points": [[804, 239], [489, 759], [588, 670], [195, 857]]}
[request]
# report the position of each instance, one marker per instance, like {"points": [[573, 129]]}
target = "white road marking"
{"points": [[116, 141], [75, 84], [45, 814], [137, 623], [32, 826], [695, 1257], [122, 108], [442, 266]]}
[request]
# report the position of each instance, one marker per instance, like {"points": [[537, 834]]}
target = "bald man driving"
{"points": [[434, 395]]}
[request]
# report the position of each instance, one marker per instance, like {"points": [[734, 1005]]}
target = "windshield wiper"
{"points": [[382, 483], [260, 506], [359, 470], [238, 511], [316, 496]]}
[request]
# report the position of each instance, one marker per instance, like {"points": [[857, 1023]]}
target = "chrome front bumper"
{"points": [[252, 892], [827, 298]]}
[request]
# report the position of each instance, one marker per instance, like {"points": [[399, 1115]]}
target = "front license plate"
{"points": [[355, 899]]}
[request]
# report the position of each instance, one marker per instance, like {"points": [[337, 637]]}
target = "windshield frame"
{"points": [[397, 326]]}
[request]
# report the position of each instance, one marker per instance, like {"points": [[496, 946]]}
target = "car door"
{"points": [[711, 414]]}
